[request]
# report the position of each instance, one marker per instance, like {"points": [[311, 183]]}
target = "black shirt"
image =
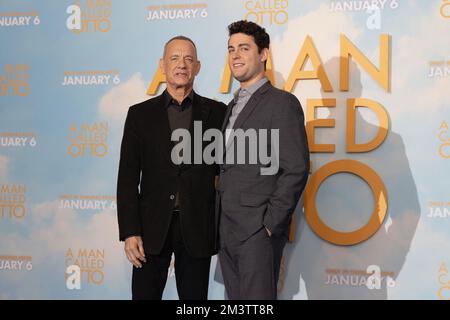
{"points": [[180, 116]]}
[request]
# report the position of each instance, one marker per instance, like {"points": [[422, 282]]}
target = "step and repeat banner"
{"points": [[373, 78]]}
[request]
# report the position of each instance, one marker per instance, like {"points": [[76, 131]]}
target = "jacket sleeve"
{"points": [[293, 160], [128, 180]]}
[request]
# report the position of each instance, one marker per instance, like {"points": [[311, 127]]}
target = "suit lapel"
{"points": [[200, 112], [248, 109], [227, 114], [163, 130], [251, 105]]}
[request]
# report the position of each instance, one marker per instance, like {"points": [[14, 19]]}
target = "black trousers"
{"points": [[191, 273], [251, 268]]}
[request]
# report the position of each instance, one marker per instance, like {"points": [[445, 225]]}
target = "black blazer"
{"points": [[148, 180]]}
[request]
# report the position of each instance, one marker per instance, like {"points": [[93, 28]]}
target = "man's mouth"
{"points": [[238, 65]]}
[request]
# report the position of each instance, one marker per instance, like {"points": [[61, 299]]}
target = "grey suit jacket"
{"points": [[247, 200]]}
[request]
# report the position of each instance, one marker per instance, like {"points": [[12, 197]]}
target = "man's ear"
{"points": [[161, 66], [264, 54], [198, 67]]}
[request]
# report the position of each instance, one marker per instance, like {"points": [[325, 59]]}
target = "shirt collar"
{"points": [[251, 89], [168, 99]]}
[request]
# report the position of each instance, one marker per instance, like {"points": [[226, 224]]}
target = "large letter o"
{"points": [[378, 191]]}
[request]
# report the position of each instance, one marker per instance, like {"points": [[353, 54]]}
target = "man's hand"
{"points": [[134, 249]]}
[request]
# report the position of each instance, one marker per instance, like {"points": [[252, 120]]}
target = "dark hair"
{"points": [[249, 28], [179, 38]]}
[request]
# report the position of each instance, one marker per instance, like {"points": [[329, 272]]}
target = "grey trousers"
{"points": [[251, 268]]}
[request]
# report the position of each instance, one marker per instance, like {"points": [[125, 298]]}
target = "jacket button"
{"points": [[172, 197]]}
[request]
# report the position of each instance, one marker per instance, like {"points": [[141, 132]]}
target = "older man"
{"points": [[165, 207]]}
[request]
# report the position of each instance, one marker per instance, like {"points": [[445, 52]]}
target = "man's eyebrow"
{"points": [[239, 45]]}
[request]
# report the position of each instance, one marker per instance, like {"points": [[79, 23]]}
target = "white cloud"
{"points": [[115, 103], [50, 222], [52, 231]]}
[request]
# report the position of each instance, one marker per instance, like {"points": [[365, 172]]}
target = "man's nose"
{"points": [[181, 64], [235, 55]]}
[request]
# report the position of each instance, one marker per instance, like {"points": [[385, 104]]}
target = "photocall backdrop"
{"points": [[373, 78]]}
